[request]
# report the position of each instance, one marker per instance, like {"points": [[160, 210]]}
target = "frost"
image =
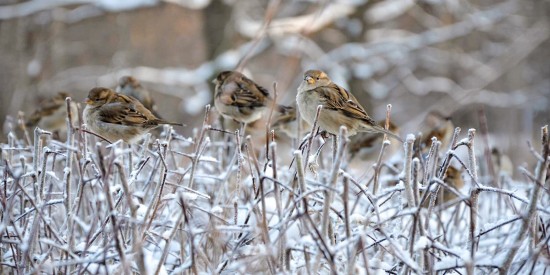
{"points": [[216, 210], [359, 219], [52, 175], [190, 196], [422, 243]]}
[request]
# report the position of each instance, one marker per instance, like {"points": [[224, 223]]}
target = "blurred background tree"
{"points": [[455, 56]]}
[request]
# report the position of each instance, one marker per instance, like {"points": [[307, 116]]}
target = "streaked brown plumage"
{"points": [[437, 125], [340, 107], [130, 86], [453, 178], [51, 114], [239, 98], [116, 116]]}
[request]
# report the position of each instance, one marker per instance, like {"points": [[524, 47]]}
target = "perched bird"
{"points": [[340, 107], [367, 145], [130, 86], [287, 123], [437, 125], [51, 114], [239, 98], [116, 116], [453, 178]]}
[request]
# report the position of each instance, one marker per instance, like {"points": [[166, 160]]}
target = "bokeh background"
{"points": [[460, 57]]}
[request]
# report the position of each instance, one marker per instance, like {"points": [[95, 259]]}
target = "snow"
{"points": [[422, 243], [379, 224]]}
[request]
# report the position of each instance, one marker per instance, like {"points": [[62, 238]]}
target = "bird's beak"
{"points": [[88, 101], [309, 80]]}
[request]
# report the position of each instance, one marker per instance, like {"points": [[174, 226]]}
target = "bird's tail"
{"points": [[380, 129], [171, 123]]}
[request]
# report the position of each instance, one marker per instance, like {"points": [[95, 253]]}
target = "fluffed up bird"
{"points": [[130, 86], [51, 114], [453, 178], [239, 98], [437, 125], [116, 116], [340, 107]]}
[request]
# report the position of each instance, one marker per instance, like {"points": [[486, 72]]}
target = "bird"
{"points": [[116, 116], [51, 114], [453, 178], [367, 146], [239, 98], [340, 107], [438, 125], [286, 121], [130, 86]]}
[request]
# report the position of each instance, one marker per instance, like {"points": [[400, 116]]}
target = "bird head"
{"points": [[314, 79], [128, 82], [224, 76], [99, 96]]}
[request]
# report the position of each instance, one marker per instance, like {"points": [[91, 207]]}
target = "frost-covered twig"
{"points": [[311, 135], [199, 146], [408, 148], [530, 214], [385, 144]]}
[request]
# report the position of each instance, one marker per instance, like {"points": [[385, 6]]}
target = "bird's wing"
{"points": [[47, 108], [242, 92], [339, 99], [123, 114]]}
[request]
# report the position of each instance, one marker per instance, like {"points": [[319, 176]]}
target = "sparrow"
{"points": [[340, 107], [239, 98], [51, 114], [287, 122], [437, 125], [453, 178], [116, 116], [130, 86], [367, 145]]}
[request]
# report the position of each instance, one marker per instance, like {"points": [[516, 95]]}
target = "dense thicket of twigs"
{"points": [[451, 55], [206, 204], [212, 201]]}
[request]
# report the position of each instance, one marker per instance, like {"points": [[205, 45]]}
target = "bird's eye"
{"points": [[317, 78]]}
